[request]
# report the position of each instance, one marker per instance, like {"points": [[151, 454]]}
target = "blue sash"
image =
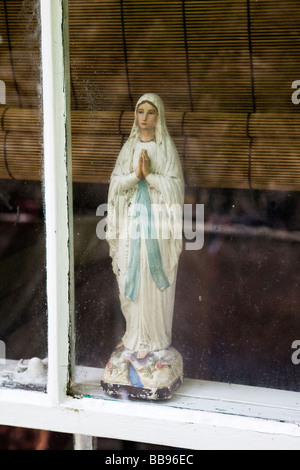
{"points": [[143, 220]]}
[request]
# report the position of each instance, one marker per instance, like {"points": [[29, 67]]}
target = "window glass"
{"points": [[224, 72], [23, 319]]}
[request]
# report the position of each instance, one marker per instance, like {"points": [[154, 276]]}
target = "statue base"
{"points": [[156, 377]]}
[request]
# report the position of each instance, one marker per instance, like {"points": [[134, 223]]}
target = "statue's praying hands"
{"points": [[143, 168]]}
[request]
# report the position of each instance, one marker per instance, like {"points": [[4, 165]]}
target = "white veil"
{"points": [[168, 163]]}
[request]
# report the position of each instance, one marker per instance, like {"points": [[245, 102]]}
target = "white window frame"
{"points": [[203, 415]]}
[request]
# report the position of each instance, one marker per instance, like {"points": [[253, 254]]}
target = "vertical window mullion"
{"points": [[58, 200]]}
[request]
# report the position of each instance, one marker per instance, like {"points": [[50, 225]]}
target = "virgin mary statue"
{"points": [[144, 230]]}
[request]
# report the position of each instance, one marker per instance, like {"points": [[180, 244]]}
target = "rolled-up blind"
{"points": [[224, 70]]}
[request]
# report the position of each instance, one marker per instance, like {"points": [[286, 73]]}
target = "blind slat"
{"points": [[199, 62], [213, 147]]}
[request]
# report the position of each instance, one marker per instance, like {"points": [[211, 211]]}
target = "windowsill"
{"points": [[208, 396], [201, 415], [195, 395]]}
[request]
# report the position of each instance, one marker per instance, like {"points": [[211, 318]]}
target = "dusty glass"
{"points": [[227, 96], [23, 308]]}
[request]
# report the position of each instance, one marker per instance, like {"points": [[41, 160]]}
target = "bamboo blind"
{"points": [[224, 70]]}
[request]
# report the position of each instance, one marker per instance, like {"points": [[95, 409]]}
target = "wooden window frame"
{"points": [[205, 415]]}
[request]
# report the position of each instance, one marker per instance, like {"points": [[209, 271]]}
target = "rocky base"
{"points": [[156, 377]]}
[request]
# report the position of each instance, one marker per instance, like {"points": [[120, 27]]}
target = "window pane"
{"points": [[227, 97], [23, 321]]}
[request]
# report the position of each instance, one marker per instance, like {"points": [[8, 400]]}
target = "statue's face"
{"points": [[147, 117]]}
